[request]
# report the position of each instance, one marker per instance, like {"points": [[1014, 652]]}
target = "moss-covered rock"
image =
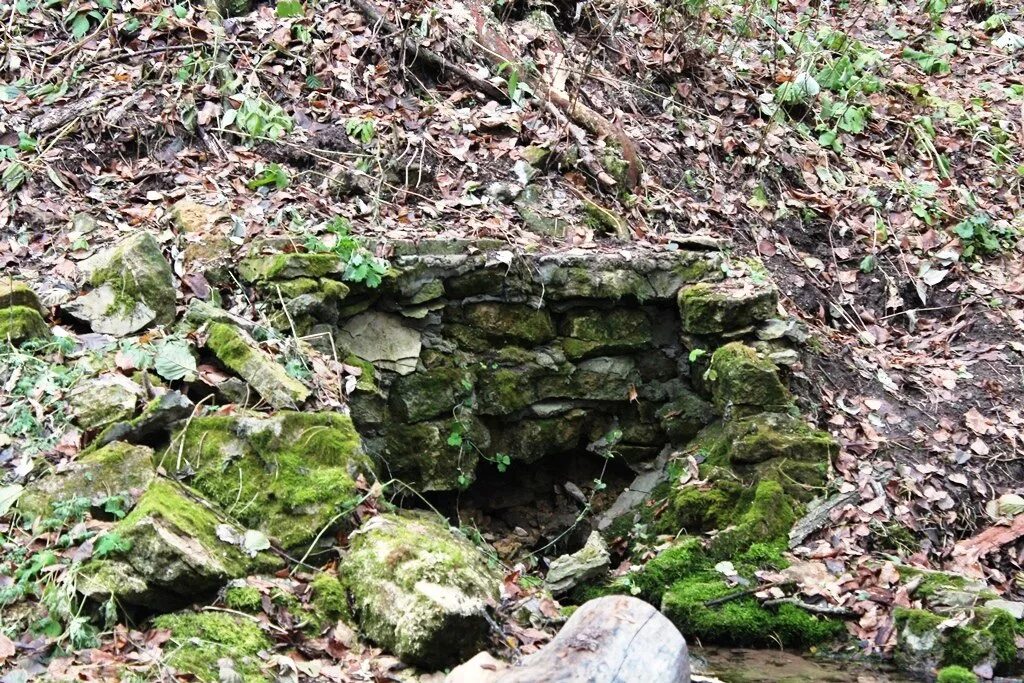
{"points": [[237, 350], [530, 440], [596, 332], [132, 287], [289, 266], [19, 324], [763, 437], [102, 401], [118, 473], [200, 640], [926, 640], [684, 417], [17, 293], [741, 621], [743, 381], [956, 674], [727, 306], [291, 475], [430, 394], [418, 589], [509, 323], [173, 552], [439, 455]]}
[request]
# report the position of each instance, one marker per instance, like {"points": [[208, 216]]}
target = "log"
{"points": [[614, 639]]}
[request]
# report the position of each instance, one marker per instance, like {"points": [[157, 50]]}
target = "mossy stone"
{"points": [[956, 674], [137, 272], [988, 638], [291, 475], [175, 552], [515, 323], [430, 394], [529, 440], [419, 589], [237, 350], [596, 332], [769, 517], [741, 621], [684, 417], [19, 324], [329, 600], [289, 266], [428, 456], [726, 306], [17, 293], [118, 470], [199, 640], [101, 401], [766, 436], [743, 380]]}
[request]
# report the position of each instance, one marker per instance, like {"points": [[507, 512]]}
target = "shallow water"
{"points": [[737, 665]]}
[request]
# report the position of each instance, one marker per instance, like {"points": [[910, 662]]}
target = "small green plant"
{"points": [[363, 129], [287, 9], [360, 264], [258, 118], [110, 543], [980, 236], [273, 174]]}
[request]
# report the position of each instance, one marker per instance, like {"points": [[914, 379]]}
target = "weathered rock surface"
{"points": [[154, 420], [617, 639], [118, 470], [103, 400], [132, 287], [741, 379], [383, 340], [418, 589], [588, 563], [291, 475], [239, 352], [727, 306], [175, 552]]}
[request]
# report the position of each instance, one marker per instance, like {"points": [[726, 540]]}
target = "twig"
{"points": [[829, 610]]}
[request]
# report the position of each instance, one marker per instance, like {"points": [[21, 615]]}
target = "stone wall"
{"points": [[471, 353]]}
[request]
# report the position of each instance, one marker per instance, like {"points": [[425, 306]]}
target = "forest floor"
{"points": [[871, 155]]}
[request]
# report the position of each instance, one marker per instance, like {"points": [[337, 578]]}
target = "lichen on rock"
{"points": [[727, 306], [119, 470], [291, 475], [419, 589]]}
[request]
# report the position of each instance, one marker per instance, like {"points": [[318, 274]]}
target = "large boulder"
{"points": [[171, 549], [419, 589], [291, 475], [132, 287]]}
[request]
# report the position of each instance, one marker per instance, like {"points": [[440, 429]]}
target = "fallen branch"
{"points": [[375, 16], [746, 592], [827, 610]]}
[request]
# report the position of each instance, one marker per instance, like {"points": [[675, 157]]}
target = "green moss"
{"points": [[595, 332], [431, 393], [919, 622], [244, 598], [601, 219], [17, 293], [289, 475], [683, 418], [289, 266], [741, 621], [329, 599], [694, 509], [367, 381], [238, 352], [515, 323], [769, 517], [683, 559], [956, 674], [421, 454], [735, 304], [741, 379], [200, 639], [19, 324]]}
